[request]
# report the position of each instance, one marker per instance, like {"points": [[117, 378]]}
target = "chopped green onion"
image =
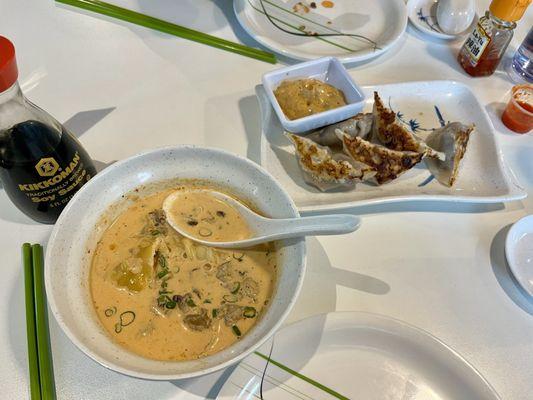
{"points": [[238, 256], [170, 304], [236, 287], [155, 232], [230, 298], [110, 311], [190, 302], [249, 312], [214, 312], [208, 301], [236, 330], [204, 232], [126, 318], [162, 273], [118, 328], [162, 261]]}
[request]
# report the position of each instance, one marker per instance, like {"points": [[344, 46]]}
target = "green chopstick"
{"points": [[157, 24], [33, 361], [316, 384], [46, 369]]}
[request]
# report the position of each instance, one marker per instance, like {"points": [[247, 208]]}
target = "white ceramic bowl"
{"points": [[520, 257], [69, 251], [329, 70]]}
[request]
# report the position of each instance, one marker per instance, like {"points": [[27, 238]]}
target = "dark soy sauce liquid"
{"points": [[41, 168]]}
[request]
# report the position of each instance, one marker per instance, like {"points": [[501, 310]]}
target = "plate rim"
{"points": [[363, 317], [349, 58], [510, 247], [516, 191]]}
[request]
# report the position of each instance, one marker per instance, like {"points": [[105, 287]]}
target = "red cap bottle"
{"points": [[8, 64], [41, 164]]}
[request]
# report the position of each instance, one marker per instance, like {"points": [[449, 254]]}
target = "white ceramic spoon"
{"points": [[268, 229]]}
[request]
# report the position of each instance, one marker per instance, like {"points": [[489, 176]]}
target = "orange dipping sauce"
{"points": [[518, 116]]}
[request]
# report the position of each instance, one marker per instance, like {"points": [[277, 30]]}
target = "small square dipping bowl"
{"points": [[329, 70]]}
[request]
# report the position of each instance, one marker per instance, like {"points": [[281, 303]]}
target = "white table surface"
{"points": [[124, 89]]}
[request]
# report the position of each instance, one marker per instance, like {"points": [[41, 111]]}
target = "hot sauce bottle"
{"points": [[484, 48], [42, 165], [518, 115]]}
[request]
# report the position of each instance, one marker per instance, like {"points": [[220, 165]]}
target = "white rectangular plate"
{"points": [[484, 177]]}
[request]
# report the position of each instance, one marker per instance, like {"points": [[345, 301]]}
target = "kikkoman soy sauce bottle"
{"points": [[484, 48], [41, 164]]}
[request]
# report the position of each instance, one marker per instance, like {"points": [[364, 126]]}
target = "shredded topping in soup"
{"points": [[164, 297]]}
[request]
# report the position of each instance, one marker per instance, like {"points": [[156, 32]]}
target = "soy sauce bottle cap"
{"points": [[8, 64], [509, 10]]}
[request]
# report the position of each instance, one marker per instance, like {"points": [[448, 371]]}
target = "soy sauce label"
{"points": [[42, 168], [477, 42], [60, 182]]}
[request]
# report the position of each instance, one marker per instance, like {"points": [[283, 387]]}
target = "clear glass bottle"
{"points": [[42, 165], [521, 67], [484, 48]]}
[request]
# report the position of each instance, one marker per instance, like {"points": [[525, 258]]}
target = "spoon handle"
{"points": [[316, 225]]}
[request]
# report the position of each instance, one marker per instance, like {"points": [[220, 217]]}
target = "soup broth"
{"points": [[164, 297]]}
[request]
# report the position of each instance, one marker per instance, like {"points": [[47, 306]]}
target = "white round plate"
{"points": [[520, 257], [382, 21], [422, 14], [356, 356]]}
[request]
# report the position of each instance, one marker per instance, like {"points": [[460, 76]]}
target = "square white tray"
{"points": [[484, 176]]}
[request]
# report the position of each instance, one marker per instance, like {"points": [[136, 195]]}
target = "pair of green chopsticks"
{"points": [[124, 14], [42, 384]]}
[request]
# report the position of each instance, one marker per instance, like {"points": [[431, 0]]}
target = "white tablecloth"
{"points": [[124, 89]]}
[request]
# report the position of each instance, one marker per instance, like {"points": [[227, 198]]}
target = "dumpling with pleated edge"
{"points": [[452, 140], [391, 134], [388, 164], [327, 170], [359, 125]]}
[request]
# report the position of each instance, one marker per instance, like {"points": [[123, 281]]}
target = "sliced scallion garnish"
{"points": [[230, 298], [162, 261], [249, 312], [126, 318], [235, 288], [236, 330], [109, 312], [170, 304], [162, 273]]}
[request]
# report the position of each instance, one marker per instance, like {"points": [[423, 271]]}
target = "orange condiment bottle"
{"points": [[484, 48], [518, 116]]}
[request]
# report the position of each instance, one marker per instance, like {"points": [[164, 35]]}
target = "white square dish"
{"points": [[329, 70], [484, 176]]}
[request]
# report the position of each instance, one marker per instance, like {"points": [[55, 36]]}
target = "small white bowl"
{"points": [[329, 70], [520, 260], [71, 246]]}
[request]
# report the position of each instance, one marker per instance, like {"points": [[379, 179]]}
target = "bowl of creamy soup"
{"points": [[143, 300]]}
